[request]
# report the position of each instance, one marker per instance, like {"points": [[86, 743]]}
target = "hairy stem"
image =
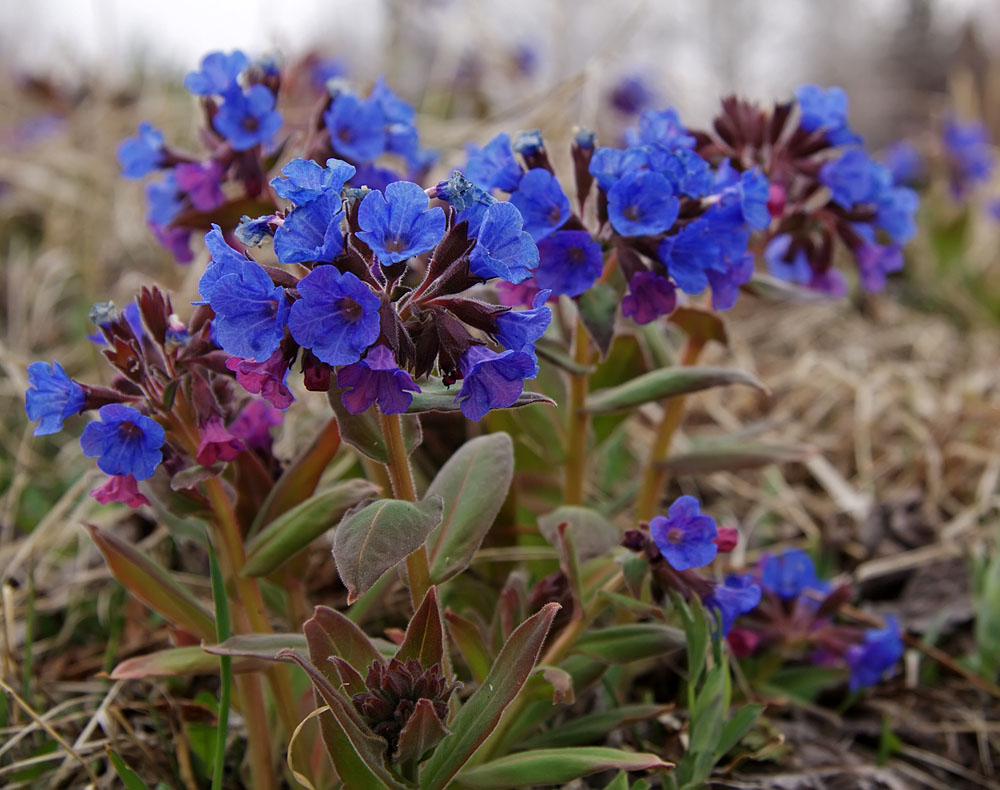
{"points": [[579, 420]]}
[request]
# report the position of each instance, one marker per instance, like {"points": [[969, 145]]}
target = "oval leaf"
{"points": [[374, 538], [364, 433], [473, 485], [555, 766], [277, 543], [598, 306], [666, 383], [593, 533]]}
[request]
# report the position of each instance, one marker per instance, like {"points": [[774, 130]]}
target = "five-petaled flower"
{"points": [[685, 536], [124, 441], [52, 396]]}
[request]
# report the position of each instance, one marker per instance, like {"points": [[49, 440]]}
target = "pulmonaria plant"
{"points": [[797, 618], [825, 190], [382, 292], [244, 133]]}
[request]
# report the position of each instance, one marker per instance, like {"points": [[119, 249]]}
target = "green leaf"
{"points": [[666, 383], [424, 640], [737, 726], [264, 647], [621, 644], [372, 539], [473, 644], [364, 432], [443, 400], [620, 782], [295, 529], [592, 727], [473, 485], [777, 290], [598, 306], [129, 778], [330, 633], [555, 766], [175, 662], [152, 585], [482, 711], [593, 533], [735, 456]]}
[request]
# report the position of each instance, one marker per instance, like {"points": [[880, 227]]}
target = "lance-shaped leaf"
{"points": [[482, 711], [292, 531], [472, 643], [593, 533], [364, 433], [593, 727], [261, 646], [153, 585], [555, 766], [329, 633], [473, 485], [424, 640], [350, 677], [422, 732], [299, 480], [778, 290], [622, 644], [175, 662], [598, 306], [735, 456], [431, 400], [700, 324], [666, 383], [359, 755], [372, 539]]}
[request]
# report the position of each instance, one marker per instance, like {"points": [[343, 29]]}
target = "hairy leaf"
{"points": [[364, 431], [666, 383], [555, 766], [593, 726], [621, 644], [593, 533], [424, 638]]}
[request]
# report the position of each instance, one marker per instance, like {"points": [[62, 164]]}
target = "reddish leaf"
{"points": [[424, 638], [422, 733]]}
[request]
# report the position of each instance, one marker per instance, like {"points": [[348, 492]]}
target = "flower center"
{"points": [[345, 134], [632, 213], [675, 536], [554, 215], [128, 431], [349, 309], [576, 255], [250, 123], [397, 244]]}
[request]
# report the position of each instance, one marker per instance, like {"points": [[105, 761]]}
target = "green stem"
{"points": [[579, 420]]}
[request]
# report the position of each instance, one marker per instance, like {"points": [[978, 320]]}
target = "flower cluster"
{"points": [[824, 187], [173, 404], [662, 215], [968, 154], [797, 616], [239, 99], [380, 297], [684, 540]]}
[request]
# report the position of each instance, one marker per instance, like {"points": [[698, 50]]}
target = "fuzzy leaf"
{"points": [[364, 433], [482, 711], [473, 485], [422, 733], [598, 306], [424, 638], [666, 383], [430, 400], [374, 538], [700, 324], [555, 766], [295, 529], [777, 290], [472, 643], [621, 644], [734, 457], [329, 633], [261, 646], [175, 662], [593, 727], [153, 585], [195, 474], [593, 533]]}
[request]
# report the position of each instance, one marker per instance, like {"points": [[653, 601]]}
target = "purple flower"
{"points": [[249, 118], [569, 262], [790, 574], [726, 284], [542, 203], [201, 182], [218, 74], [830, 282], [119, 488], [738, 595], [503, 249], [398, 225], [520, 329], [357, 128], [266, 378], [253, 424], [871, 660], [875, 261], [642, 203], [376, 379], [311, 232], [491, 380], [303, 180], [631, 95], [250, 310], [685, 537], [649, 296], [139, 156], [124, 442], [337, 316], [782, 264], [52, 396], [164, 200], [177, 241], [494, 166], [217, 443], [968, 147]]}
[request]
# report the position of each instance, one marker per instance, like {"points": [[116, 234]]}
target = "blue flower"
{"points": [[793, 268], [569, 261], [685, 537], [642, 203], [469, 200], [139, 156], [376, 379], [337, 316], [663, 129], [690, 254], [631, 95], [851, 177], [738, 595], [251, 232], [401, 135], [608, 165], [164, 200], [726, 284], [201, 182], [249, 118], [502, 248], [218, 75], [398, 225], [304, 180], [875, 261], [494, 166], [870, 661], [250, 311], [968, 147], [357, 128], [790, 574], [52, 396], [311, 232], [519, 329], [491, 380], [375, 177], [826, 110], [528, 142], [896, 210], [542, 203], [649, 296], [904, 162], [687, 172], [125, 442], [754, 191]]}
